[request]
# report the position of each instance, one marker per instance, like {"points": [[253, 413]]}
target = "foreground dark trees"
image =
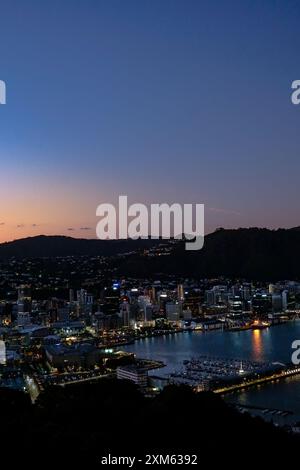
{"points": [[81, 423]]}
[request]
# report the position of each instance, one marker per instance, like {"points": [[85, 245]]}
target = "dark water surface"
{"points": [[272, 344]]}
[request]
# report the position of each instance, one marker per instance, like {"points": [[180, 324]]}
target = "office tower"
{"points": [[187, 314], [284, 296], [148, 312], [173, 311], [152, 295], [209, 297], [24, 299], [192, 301], [276, 302], [261, 303], [163, 299], [180, 292], [125, 313], [63, 314], [235, 305], [110, 302], [246, 292], [2, 352], [23, 305], [71, 295], [82, 297]]}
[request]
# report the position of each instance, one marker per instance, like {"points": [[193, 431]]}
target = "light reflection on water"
{"points": [[257, 342], [272, 344]]}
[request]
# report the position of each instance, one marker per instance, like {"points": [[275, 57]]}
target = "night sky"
{"points": [[165, 101]]}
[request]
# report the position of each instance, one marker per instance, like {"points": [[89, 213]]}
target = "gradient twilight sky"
{"points": [[162, 100]]}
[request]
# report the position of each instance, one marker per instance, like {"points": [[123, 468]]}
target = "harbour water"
{"points": [[271, 344]]}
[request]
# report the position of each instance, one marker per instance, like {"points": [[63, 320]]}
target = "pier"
{"points": [[261, 379]]}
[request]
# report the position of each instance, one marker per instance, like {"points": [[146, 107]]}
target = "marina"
{"points": [[268, 345], [219, 374]]}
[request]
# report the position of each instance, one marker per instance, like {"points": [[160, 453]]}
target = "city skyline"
{"points": [[149, 232], [183, 102]]}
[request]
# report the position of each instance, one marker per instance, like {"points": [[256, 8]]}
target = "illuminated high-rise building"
{"points": [[180, 292], [24, 299]]}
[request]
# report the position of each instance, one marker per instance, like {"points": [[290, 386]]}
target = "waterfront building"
{"points": [[84, 355], [173, 311], [208, 325], [187, 314], [193, 300], [276, 302], [148, 313], [135, 373], [235, 305], [261, 303]]}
